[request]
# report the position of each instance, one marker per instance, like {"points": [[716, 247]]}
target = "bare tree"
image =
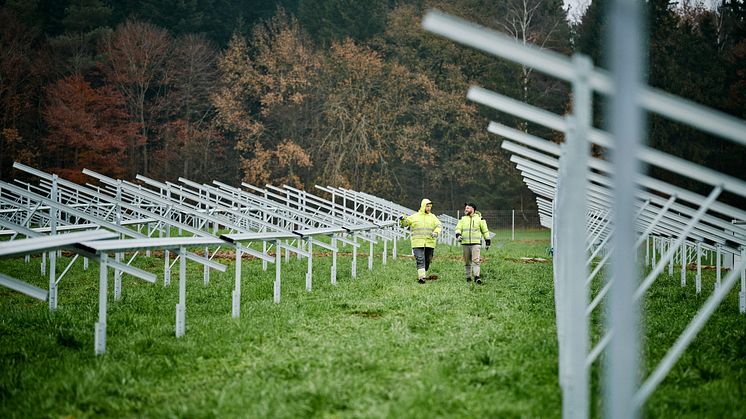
{"points": [[538, 22], [135, 58]]}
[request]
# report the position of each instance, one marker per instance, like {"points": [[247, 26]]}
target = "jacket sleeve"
{"points": [[437, 226], [458, 227], [409, 221], [485, 231]]}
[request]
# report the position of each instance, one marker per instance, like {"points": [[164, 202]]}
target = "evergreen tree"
{"points": [[334, 20]]}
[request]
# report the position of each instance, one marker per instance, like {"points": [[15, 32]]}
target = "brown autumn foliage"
{"points": [[262, 100], [346, 116], [88, 128], [368, 119]]}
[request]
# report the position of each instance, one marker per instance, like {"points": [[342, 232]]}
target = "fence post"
{"points": [[512, 227]]}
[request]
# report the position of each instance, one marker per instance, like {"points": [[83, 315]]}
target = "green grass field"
{"points": [[380, 345]]}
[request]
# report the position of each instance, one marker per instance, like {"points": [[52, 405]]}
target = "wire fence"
{"points": [[508, 224]]}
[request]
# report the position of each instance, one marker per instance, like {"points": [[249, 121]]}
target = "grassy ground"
{"points": [[380, 345]]}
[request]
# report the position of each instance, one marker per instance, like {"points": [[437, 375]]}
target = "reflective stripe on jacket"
{"points": [[472, 229], [422, 226]]}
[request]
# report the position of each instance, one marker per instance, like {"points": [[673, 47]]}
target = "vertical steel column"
{"points": [[742, 294], [309, 274], [148, 228], [166, 258], [682, 254], [718, 274], [53, 215], [99, 345], [181, 307], [206, 269], [43, 263], [334, 261], [370, 255], [670, 262], [571, 247], [627, 127], [236, 303], [278, 263], [698, 279], [383, 257], [118, 255], [264, 250], [354, 256]]}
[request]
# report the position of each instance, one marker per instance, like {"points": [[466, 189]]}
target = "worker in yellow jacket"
{"points": [[469, 232], [425, 228]]}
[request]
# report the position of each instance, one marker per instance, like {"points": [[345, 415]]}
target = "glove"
{"points": [[433, 234], [458, 237], [402, 217], [487, 243]]}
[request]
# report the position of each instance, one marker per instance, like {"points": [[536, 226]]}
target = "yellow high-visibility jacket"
{"points": [[472, 228], [422, 225]]}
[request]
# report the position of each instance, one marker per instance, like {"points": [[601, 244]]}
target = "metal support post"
{"points": [[698, 279], [166, 268], [264, 250], [100, 328], [148, 229], [53, 216], [181, 306], [118, 255], [236, 303], [206, 271], [370, 255], [683, 262], [309, 274], [334, 261], [354, 256], [278, 263], [627, 127], [742, 294], [669, 245], [718, 272], [117, 278], [573, 207]]}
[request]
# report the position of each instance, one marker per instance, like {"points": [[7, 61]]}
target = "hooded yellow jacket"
{"points": [[422, 225]]}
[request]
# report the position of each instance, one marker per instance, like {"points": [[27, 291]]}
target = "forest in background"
{"points": [[332, 92]]}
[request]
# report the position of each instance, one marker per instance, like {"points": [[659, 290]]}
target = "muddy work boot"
{"points": [[421, 280], [468, 279], [478, 280]]}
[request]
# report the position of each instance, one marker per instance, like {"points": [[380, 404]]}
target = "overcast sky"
{"points": [[577, 7]]}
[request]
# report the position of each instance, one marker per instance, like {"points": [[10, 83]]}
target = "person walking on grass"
{"points": [[425, 228], [469, 232]]}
